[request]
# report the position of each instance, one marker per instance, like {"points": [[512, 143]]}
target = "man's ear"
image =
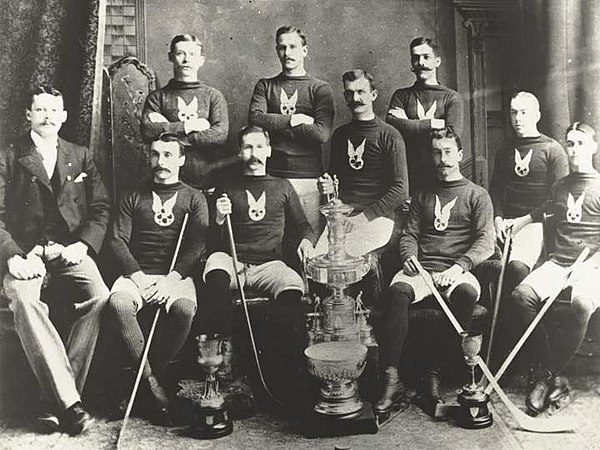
{"points": [[268, 151], [460, 155], [181, 160], [170, 56], [305, 50], [63, 116], [538, 116], [201, 61], [438, 61], [374, 94], [28, 114]]}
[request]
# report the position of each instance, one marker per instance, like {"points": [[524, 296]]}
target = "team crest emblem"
{"points": [[574, 208], [288, 105], [474, 412], [522, 164], [442, 215], [429, 114], [163, 212], [355, 155], [187, 111], [256, 208]]}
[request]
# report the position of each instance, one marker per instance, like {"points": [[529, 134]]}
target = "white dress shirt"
{"points": [[48, 149]]}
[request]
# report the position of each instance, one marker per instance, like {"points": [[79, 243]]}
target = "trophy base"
{"points": [[321, 425], [474, 412], [211, 423]]}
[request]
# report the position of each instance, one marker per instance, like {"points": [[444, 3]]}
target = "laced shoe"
{"points": [[393, 390]]}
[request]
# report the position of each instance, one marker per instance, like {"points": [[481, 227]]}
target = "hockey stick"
{"points": [[246, 313], [138, 378], [525, 422], [547, 304]]}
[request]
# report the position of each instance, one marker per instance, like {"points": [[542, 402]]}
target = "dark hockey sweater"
{"points": [[522, 183], [260, 207], [369, 159], [421, 103], [179, 101], [296, 150], [146, 228], [575, 203], [460, 230]]}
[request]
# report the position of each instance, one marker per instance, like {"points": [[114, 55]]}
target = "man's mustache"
{"points": [[444, 166], [421, 69], [158, 169], [254, 160]]}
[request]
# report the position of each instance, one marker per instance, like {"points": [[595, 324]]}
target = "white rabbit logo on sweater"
{"points": [[574, 208], [421, 114], [256, 208], [355, 155], [187, 111], [522, 164], [288, 105], [163, 212], [442, 215]]}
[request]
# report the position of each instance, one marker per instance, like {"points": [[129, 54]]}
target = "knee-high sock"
{"points": [[524, 304], [217, 307], [516, 271], [575, 325], [462, 303], [394, 323], [287, 329], [172, 331], [122, 321]]}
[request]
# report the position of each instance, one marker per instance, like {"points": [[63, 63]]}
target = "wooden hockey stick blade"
{"points": [[553, 424]]}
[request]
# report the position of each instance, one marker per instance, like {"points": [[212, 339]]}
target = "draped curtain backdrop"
{"points": [[560, 61], [49, 42]]}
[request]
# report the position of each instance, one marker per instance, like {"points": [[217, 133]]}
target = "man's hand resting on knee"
{"points": [[26, 268], [448, 277], [163, 290]]}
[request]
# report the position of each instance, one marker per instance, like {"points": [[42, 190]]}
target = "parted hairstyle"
{"points": [[447, 133], [357, 74], [250, 129], [290, 29], [584, 128], [185, 38], [170, 137], [425, 40]]}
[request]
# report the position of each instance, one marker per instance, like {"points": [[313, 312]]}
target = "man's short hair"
{"points": [[185, 38], [42, 89], [529, 96], [251, 129], [425, 40], [290, 29], [584, 128], [171, 137], [446, 133], [357, 74]]}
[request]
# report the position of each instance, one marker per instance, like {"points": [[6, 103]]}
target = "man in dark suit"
{"points": [[53, 215]]}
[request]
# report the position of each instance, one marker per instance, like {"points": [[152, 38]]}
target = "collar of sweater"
{"points": [[166, 187], [283, 76], [451, 184], [429, 87], [180, 85]]}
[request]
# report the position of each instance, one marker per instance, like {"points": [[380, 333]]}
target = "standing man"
{"points": [[369, 158], [450, 230], [187, 107], [144, 237], [574, 202], [296, 109], [425, 106], [53, 215], [526, 167]]}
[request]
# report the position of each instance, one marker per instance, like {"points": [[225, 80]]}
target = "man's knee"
{"points": [[400, 294], [583, 306], [464, 292], [121, 303], [183, 308], [523, 298]]}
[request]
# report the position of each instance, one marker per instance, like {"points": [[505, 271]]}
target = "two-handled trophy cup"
{"points": [[473, 411], [211, 417]]}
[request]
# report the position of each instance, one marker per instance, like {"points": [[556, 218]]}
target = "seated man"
{"points": [[195, 112], [369, 159], [143, 240], [526, 167], [259, 205], [53, 212], [575, 203], [450, 230]]}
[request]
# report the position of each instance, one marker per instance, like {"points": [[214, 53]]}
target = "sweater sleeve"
{"points": [[398, 189], [258, 114], [454, 112], [320, 131], [408, 127], [218, 118], [294, 209], [498, 182], [483, 229], [541, 213], [193, 246], [152, 130], [558, 163], [121, 235], [409, 240]]}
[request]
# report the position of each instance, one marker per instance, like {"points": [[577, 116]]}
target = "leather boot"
{"points": [[393, 390], [159, 414], [559, 388], [536, 400], [432, 385]]}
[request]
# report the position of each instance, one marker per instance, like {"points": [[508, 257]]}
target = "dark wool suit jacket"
{"points": [[82, 201]]}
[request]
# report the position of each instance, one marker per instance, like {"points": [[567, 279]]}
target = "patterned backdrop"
{"points": [[47, 42]]}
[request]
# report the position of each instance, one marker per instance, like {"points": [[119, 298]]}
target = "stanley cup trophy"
{"points": [[211, 417], [338, 333], [473, 401]]}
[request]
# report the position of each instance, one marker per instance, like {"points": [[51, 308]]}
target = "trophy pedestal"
{"points": [[321, 425], [211, 423], [474, 412]]}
